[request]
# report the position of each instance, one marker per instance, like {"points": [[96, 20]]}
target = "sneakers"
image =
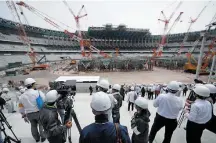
{"points": [[37, 141]]}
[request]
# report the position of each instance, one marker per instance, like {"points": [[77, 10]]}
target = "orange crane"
{"points": [[71, 35], [192, 21], [165, 32], [77, 19], [24, 38]]}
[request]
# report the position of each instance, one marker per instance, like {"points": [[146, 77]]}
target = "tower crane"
{"points": [[50, 21], [77, 20], [192, 21], [32, 55], [165, 31]]}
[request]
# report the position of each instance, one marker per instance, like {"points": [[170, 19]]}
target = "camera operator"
{"points": [[63, 103], [48, 117]]}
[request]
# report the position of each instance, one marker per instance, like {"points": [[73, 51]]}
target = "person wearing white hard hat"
{"points": [[9, 103], [211, 125], [48, 116], [169, 106], [118, 97], [199, 114], [103, 85], [29, 108], [103, 131], [131, 98], [140, 121]]}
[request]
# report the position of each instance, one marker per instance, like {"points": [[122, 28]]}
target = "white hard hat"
{"points": [[116, 87], [20, 87], [141, 102], [4, 85], [211, 87], [5, 90], [51, 96], [104, 84], [22, 90], [173, 85], [100, 102], [132, 88], [29, 81], [202, 91], [198, 84]]}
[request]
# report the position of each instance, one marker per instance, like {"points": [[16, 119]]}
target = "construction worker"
{"points": [[103, 85], [169, 106], [103, 131], [9, 103], [131, 98], [185, 89], [211, 125], [199, 114], [143, 91], [90, 89], [140, 121], [118, 97], [29, 109], [49, 119]]}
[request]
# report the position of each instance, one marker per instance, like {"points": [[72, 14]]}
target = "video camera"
{"points": [[64, 87]]}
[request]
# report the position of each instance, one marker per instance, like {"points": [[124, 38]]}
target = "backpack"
{"points": [[39, 101]]}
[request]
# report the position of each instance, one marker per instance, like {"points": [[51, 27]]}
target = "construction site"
{"points": [[121, 54]]}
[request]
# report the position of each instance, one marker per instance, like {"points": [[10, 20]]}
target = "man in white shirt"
{"points": [[29, 109], [200, 114], [169, 106], [131, 98]]}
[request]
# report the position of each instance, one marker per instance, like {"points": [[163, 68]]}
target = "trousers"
{"points": [[211, 125], [129, 105], [159, 122], [194, 132], [34, 120]]}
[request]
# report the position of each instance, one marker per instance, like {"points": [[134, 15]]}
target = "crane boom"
{"points": [[192, 21], [71, 35]]}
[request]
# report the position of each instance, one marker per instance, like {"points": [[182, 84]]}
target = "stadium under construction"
{"points": [[107, 48]]}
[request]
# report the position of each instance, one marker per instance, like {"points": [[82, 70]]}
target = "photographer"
{"points": [[63, 103], [48, 117]]}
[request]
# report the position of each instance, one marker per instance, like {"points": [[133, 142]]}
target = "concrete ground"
{"points": [[85, 117]]}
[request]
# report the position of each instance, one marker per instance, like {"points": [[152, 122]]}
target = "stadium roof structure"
{"points": [[120, 32]]}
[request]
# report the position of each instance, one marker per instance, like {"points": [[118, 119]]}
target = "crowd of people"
{"points": [[49, 111]]}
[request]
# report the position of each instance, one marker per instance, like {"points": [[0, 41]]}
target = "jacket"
{"points": [[27, 101], [117, 106], [48, 117], [131, 96], [113, 103], [103, 131], [140, 125]]}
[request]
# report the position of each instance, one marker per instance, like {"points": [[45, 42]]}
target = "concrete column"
{"points": [[212, 68]]}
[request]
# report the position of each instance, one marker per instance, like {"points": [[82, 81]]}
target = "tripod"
{"points": [[7, 139]]}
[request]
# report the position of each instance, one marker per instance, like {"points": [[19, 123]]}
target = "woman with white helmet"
{"points": [[200, 113], [211, 125], [169, 106], [9, 102], [140, 121], [103, 131], [48, 117]]}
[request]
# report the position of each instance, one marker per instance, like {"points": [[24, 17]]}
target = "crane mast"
{"points": [[50, 21]]}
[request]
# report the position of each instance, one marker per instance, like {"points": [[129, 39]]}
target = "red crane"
{"points": [[77, 19], [50, 21], [166, 24], [192, 21]]}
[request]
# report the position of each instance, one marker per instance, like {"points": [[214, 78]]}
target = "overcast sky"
{"points": [[134, 14]]}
